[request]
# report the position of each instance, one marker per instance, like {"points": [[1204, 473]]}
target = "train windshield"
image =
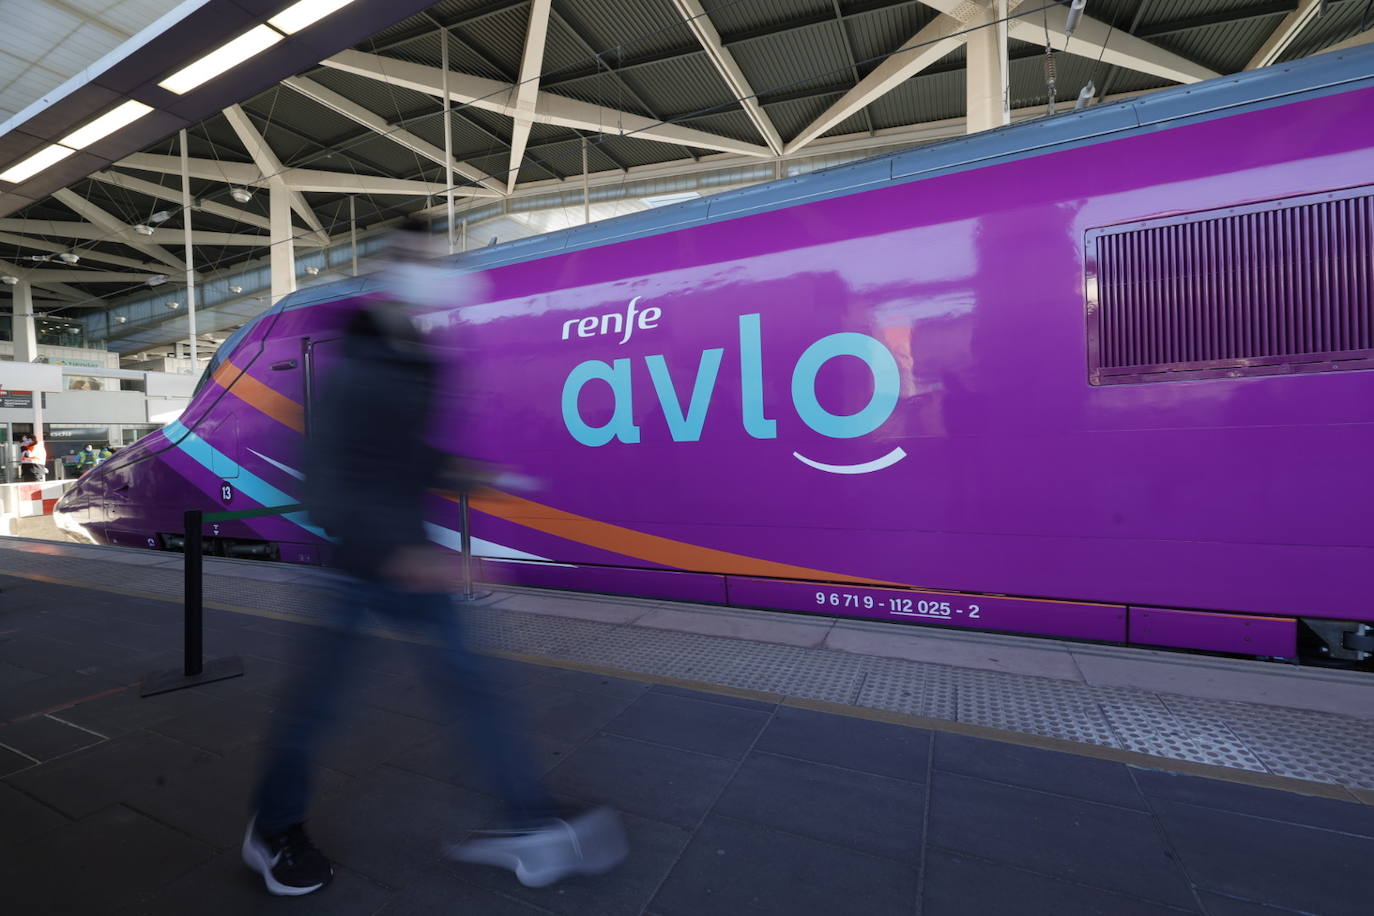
{"points": [[221, 355]]}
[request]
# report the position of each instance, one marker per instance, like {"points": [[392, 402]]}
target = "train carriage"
{"points": [[1100, 376]]}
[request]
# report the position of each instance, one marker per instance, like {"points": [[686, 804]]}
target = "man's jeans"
{"points": [[461, 679]]}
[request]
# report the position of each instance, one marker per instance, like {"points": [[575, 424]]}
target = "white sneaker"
{"points": [[588, 843]]}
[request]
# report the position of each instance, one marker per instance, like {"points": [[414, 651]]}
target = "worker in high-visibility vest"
{"points": [[86, 459], [106, 453]]}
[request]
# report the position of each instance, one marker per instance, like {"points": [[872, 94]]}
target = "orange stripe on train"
{"points": [[650, 547], [259, 396]]}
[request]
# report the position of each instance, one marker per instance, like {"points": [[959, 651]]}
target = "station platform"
{"points": [[765, 763]]}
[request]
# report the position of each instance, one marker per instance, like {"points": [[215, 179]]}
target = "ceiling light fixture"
{"points": [[313, 271], [305, 13], [159, 217], [241, 195], [69, 257], [143, 229], [23, 171], [9, 280], [80, 138], [236, 290], [106, 124], [156, 280], [120, 319], [174, 305], [225, 57]]}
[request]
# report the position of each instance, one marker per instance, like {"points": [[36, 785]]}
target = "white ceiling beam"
{"points": [[85, 276], [233, 173], [927, 46], [86, 254], [376, 123], [313, 180], [1284, 34], [271, 168], [57, 290], [173, 194], [499, 97], [527, 87], [1093, 37], [116, 229], [88, 232], [705, 32], [349, 183]]}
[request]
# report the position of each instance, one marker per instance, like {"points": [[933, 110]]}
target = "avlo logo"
{"points": [[686, 425]]}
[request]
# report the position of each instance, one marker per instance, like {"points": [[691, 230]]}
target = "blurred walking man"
{"points": [[368, 493]]}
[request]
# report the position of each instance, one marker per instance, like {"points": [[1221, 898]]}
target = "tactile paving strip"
{"points": [[1294, 742], [1039, 706], [821, 674], [1152, 728], [914, 688], [1290, 742]]}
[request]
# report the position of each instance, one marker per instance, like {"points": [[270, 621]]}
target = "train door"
{"points": [[321, 357]]}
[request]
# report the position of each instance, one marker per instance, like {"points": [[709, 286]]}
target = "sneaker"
{"points": [[588, 843], [287, 861]]}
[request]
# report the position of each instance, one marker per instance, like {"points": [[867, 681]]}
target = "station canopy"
{"points": [[560, 111]]}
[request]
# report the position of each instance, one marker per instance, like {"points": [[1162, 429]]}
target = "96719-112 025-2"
{"points": [[905, 607]]}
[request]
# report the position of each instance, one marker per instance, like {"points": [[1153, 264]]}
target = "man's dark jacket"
{"points": [[368, 464]]}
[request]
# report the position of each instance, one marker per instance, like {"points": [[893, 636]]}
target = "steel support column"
{"points": [[283, 248], [448, 139], [24, 333], [353, 232], [187, 255], [988, 100]]}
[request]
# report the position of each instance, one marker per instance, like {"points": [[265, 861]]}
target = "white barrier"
{"points": [[26, 500]]}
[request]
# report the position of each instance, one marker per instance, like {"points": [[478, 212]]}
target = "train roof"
{"points": [[1254, 90]]}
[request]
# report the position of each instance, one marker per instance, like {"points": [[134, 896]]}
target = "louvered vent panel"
{"points": [[1281, 287]]}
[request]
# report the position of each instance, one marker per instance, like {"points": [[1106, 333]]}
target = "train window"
{"points": [[1281, 287], [204, 378], [222, 354]]}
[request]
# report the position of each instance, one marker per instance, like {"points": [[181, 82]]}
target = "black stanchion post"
{"points": [[192, 553], [194, 669], [465, 545]]}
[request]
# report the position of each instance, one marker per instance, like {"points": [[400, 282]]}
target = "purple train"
{"points": [[1102, 376]]}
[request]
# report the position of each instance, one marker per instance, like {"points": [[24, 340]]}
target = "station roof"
{"points": [[642, 88]]}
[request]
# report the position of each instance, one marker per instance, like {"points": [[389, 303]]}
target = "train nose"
{"points": [[73, 511]]}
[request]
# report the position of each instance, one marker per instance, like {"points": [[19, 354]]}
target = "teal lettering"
{"points": [[688, 428], [751, 380], [621, 425], [886, 385]]}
